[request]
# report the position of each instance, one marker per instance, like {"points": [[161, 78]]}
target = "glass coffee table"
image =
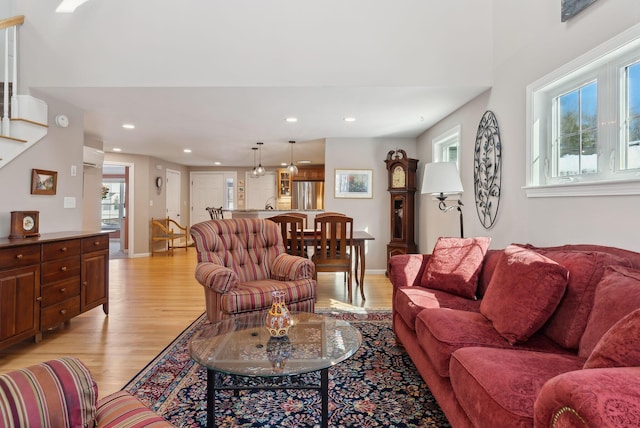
{"points": [[242, 347]]}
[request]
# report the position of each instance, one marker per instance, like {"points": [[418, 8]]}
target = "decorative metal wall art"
{"points": [[487, 169], [571, 8]]}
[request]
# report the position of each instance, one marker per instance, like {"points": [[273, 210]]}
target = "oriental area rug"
{"points": [[377, 387]]}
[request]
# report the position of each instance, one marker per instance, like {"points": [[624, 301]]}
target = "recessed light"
{"points": [[291, 119], [217, 163], [128, 126], [349, 119], [187, 150], [283, 164], [304, 161], [117, 149]]}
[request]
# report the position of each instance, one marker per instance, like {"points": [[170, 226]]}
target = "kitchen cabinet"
{"points": [[310, 173], [48, 280]]}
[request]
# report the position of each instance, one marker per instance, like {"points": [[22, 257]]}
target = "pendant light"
{"points": [[254, 172], [260, 169], [292, 169]]}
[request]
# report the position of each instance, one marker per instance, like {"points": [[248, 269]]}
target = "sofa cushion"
{"points": [[586, 268], [256, 295], [410, 301], [617, 294], [440, 332], [122, 409], [620, 345], [498, 387], [525, 289], [455, 264]]}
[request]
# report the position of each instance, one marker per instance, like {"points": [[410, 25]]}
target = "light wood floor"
{"points": [[152, 300]]}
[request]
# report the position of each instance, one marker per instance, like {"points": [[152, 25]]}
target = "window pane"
{"points": [[569, 113], [589, 157], [633, 85], [569, 159], [589, 106]]}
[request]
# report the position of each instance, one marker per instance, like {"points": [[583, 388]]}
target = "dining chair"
{"points": [[215, 213], [333, 246], [291, 228]]}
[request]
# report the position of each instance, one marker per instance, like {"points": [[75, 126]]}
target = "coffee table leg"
{"points": [[324, 385], [211, 399]]}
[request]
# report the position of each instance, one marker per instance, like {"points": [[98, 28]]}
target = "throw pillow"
{"points": [[617, 294], [620, 345], [455, 264], [525, 289]]}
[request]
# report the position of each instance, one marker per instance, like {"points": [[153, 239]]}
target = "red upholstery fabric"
{"points": [[617, 294], [121, 410], [57, 393], [411, 300], [620, 345], [256, 295], [498, 387], [602, 398], [586, 268], [525, 289], [489, 264], [455, 264]]}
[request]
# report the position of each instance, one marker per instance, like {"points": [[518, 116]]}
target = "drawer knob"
{"points": [[96, 243], [63, 290], [63, 249], [63, 311], [63, 268], [39, 299], [19, 256]]}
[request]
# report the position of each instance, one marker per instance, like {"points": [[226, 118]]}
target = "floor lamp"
{"points": [[442, 179]]}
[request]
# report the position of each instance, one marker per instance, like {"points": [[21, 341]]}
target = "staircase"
{"points": [[24, 118]]}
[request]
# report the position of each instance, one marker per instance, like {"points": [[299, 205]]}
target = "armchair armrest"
{"points": [[406, 269], [164, 230], [606, 397], [287, 267], [217, 277], [183, 229]]}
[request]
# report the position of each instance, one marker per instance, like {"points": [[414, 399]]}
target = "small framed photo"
{"points": [[354, 183], [241, 189], [43, 182], [241, 196], [240, 183]]}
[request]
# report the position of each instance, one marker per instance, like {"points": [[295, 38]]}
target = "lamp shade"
{"points": [[441, 177]]}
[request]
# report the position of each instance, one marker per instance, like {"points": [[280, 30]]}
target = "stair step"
{"points": [[18, 140]]}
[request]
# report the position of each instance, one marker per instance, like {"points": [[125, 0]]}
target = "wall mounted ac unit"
{"points": [[92, 157]]}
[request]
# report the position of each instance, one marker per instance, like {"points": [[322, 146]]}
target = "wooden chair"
{"points": [[292, 229], [333, 246], [215, 213], [167, 231]]}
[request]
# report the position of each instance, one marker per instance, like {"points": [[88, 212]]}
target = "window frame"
{"points": [[605, 64], [442, 142]]}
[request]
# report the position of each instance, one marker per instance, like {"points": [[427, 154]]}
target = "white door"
{"points": [[261, 191], [207, 190], [173, 195]]}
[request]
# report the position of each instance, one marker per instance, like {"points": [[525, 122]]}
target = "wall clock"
{"points": [[487, 169], [24, 224], [402, 188]]}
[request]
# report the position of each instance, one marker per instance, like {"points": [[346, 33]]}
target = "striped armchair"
{"points": [[241, 261], [62, 393]]}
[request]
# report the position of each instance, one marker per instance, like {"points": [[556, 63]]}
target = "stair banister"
{"points": [[9, 24]]}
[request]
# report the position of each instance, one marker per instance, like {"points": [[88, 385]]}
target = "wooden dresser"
{"points": [[46, 281]]}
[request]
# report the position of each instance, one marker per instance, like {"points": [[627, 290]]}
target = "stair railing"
{"points": [[10, 26]]}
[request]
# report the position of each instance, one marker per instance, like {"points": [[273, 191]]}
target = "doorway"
{"points": [[116, 208]]}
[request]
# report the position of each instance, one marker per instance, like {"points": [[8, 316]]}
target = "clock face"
{"points": [[28, 223], [398, 177]]}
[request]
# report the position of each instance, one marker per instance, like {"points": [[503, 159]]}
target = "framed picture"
{"points": [[241, 189], [241, 196], [43, 182], [240, 183], [354, 183]]}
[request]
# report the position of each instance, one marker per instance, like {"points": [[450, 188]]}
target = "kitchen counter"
{"points": [[311, 214]]}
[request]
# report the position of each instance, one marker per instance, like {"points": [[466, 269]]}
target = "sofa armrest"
{"points": [[406, 269], [122, 409], [287, 267], [56, 393], [216, 277], [608, 397]]}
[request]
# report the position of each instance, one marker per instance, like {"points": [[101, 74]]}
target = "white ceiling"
{"points": [[218, 76]]}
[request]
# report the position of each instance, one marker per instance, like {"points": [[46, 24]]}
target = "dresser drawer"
{"points": [[60, 250], [95, 243], [60, 269], [60, 291], [19, 256], [55, 315]]}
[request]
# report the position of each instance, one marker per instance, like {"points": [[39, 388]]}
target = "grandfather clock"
{"points": [[402, 187]]}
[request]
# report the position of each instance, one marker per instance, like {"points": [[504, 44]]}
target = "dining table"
{"points": [[358, 242]]}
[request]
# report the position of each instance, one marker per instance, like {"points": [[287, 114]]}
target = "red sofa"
{"points": [[523, 336]]}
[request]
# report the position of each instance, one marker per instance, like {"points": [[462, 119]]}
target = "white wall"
{"points": [[530, 42], [372, 214], [57, 151]]}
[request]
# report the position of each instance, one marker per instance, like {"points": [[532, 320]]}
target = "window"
{"points": [[446, 147], [583, 124]]}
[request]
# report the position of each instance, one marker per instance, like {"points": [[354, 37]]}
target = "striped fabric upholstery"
{"points": [[241, 261], [123, 410], [57, 393], [62, 393]]}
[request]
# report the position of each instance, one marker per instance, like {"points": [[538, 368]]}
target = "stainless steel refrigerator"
{"points": [[307, 195]]}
